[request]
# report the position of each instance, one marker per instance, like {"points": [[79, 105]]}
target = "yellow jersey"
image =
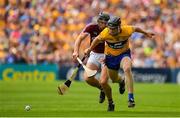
{"points": [[116, 45]]}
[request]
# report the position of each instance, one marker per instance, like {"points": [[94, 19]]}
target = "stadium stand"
{"points": [[43, 31]]}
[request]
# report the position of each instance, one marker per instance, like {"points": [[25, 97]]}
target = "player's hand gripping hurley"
{"points": [[64, 87]]}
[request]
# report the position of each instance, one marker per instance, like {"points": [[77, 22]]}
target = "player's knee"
{"points": [[103, 83], [86, 78], [127, 69]]}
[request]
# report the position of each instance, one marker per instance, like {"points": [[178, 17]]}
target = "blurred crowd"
{"points": [[44, 31]]}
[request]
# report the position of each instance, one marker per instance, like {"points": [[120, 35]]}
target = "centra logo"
{"points": [[11, 74]]}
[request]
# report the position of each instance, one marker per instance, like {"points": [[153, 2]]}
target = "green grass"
{"points": [[152, 100]]}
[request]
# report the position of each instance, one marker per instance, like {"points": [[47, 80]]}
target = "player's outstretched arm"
{"points": [[78, 41], [94, 43], [148, 34]]}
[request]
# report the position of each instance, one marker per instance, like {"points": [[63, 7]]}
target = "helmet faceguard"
{"points": [[114, 22]]}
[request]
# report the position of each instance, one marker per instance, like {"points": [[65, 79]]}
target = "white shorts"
{"points": [[96, 58]]}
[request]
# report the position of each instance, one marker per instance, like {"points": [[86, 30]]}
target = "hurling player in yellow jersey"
{"points": [[117, 52]]}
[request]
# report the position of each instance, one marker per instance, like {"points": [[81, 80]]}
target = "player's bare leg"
{"points": [[127, 65], [113, 74], [107, 89], [104, 83], [92, 81]]}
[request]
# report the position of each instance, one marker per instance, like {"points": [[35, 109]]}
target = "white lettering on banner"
{"points": [[156, 78], [148, 77]]}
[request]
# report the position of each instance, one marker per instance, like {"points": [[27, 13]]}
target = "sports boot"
{"points": [[122, 87], [111, 107], [131, 103], [101, 97]]}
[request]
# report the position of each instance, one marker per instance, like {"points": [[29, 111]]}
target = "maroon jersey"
{"points": [[94, 30]]}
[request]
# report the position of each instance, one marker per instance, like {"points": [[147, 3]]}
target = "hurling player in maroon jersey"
{"points": [[92, 30]]}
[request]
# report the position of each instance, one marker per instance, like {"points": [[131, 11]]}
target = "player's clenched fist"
{"points": [[74, 56], [87, 52]]}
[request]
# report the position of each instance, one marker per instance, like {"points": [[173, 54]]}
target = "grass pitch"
{"points": [[152, 100]]}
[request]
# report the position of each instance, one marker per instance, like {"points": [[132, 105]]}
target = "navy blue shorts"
{"points": [[113, 62]]}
